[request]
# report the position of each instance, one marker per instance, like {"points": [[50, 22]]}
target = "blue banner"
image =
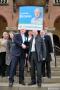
{"points": [[30, 18]]}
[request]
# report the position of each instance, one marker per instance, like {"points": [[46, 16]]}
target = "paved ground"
{"points": [[16, 86], [48, 84], [27, 88]]}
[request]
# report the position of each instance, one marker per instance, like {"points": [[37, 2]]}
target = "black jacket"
{"points": [[16, 46], [48, 43], [49, 48]]}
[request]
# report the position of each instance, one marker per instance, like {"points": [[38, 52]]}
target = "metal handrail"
{"points": [[56, 48]]}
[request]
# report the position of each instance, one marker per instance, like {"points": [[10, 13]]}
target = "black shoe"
{"points": [[10, 84], [32, 83], [22, 82], [43, 75], [3, 75], [39, 84], [49, 76]]}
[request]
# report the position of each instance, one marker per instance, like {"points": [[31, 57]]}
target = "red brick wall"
{"points": [[54, 12], [7, 12], [12, 18]]}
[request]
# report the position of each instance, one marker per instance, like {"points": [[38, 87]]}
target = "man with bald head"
{"points": [[37, 19]]}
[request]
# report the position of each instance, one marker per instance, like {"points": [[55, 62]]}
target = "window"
{"points": [[3, 1], [56, 2]]}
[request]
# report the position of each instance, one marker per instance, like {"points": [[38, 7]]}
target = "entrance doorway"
{"points": [[57, 26], [56, 35], [56, 40], [3, 25]]}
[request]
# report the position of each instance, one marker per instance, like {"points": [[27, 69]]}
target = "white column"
{"points": [[53, 1], [1, 1], [57, 1]]}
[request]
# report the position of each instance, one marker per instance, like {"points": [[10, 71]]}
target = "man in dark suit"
{"points": [[36, 53], [49, 50], [17, 55]]}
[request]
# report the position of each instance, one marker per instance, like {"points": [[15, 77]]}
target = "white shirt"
{"points": [[33, 45], [29, 38], [23, 38]]}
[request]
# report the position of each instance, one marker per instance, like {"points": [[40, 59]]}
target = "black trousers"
{"points": [[2, 63], [46, 67], [35, 66], [14, 62]]}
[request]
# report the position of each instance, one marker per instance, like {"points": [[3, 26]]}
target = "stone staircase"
{"points": [[47, 84]]}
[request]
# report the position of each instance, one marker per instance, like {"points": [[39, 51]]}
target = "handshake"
{"points": [[23, 46]]}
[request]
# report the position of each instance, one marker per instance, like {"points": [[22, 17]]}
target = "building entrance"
{"points": [[3, 25]]}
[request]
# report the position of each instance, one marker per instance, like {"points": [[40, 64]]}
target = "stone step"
{"points": [[54, 79], [57, 59], [19, 87], [58, 56], [55, 68], [46, 80], [55, 73], [57, 63], [16, 86]]}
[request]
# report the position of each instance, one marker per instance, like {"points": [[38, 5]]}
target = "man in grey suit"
{"points": [[37, 53]]}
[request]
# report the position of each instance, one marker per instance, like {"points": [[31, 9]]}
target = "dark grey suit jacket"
{"points": [[16, 48], [39, 47], [49, 48]]}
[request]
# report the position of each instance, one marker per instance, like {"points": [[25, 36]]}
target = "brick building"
{"points": [[8, 17], [9, 14]]}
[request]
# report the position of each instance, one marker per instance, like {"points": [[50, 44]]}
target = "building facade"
{"points": [[8, 17], [9, 14]]}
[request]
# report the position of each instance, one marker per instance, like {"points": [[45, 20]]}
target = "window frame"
{"points": [[3, 2]]}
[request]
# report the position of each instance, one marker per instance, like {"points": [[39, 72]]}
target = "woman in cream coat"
{"points": [[3, 44]]}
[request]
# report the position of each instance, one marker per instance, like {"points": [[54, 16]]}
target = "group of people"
{"points": [[38, 47]]}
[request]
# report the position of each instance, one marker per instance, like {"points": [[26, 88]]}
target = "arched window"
{"points": [[56, 2], [3, 1], [3, 25]]}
